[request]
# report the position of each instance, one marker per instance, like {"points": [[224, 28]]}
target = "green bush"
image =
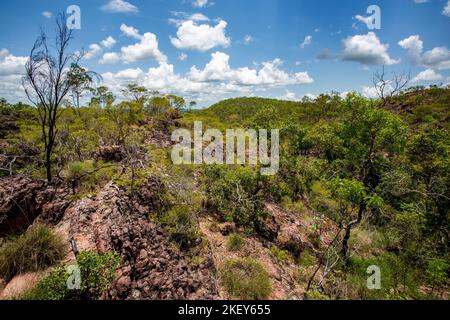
{"points": [[235, 242], [38, 248], [181, 225], [436, 273], [87, 176], [236, 193], [306, 259], [97, 271], [279, 254], [245, 278]]}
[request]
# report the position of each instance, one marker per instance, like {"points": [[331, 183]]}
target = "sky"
{"points": [[209, 50]]}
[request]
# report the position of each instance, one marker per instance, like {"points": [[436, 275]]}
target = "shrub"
{"points": [[181, 225], [306, 259], [437, 273], [97, 271], [87, 176], [317, 295], [235, 242], [245, 278], [279, 254], [38, 248], [236, 193]]}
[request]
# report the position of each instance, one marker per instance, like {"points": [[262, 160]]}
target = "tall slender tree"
{"points": [[46, 83]]}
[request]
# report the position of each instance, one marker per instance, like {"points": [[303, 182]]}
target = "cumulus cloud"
{"points": [[10, 64], [446, 10], [218, 69], [119, 6], [94, 50], [146, 48], [215, 81], [414, 46], [289, 95], [12, 69], [130, 32], [437, 58], [369, 92], [108, 42], [427, 75], [201, 37], [110, 58], [366, 49], [306, 42]]}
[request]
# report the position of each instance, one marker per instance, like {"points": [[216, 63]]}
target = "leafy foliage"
{"points": [[97, 271]]}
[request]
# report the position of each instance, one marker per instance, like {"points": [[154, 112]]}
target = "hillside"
{"points": [[358, 185]]}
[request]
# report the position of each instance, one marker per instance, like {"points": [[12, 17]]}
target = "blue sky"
{"points": [[210, 50]]}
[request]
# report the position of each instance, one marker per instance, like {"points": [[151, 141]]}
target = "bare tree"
{"points": [[46, 83], [388, 88]]}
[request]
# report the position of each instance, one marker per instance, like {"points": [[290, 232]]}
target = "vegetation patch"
{"points": [[235, 242], [37, 249], [245, 278], [96, 271]]}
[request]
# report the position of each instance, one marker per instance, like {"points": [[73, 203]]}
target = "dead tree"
{"points": [[46, 83], [388, 88]]}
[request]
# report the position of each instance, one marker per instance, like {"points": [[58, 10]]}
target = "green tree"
{"points": [[80, 82], [102, 96]]}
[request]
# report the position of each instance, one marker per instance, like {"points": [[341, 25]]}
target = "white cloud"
{"points": [[119, 6], [94, 50], [414, 46], [12, 69], [110, 58], [446, 10], [289, 95], [218, 69], [130, 31], [200, 37], [216, 81], [427, 75], [369, 92], [183, 56], [421, 1], [10, 64], [47, 14], [146, 48], [108, 42], [200, 3], [306, 42], [437, 58], [366, 49], [311, 96]]}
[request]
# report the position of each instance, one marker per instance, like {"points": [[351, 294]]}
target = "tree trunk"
{"points": [[345, 240]]}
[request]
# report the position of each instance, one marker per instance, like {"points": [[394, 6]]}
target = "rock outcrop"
{"points": [[23, 199], [152, 267]]}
